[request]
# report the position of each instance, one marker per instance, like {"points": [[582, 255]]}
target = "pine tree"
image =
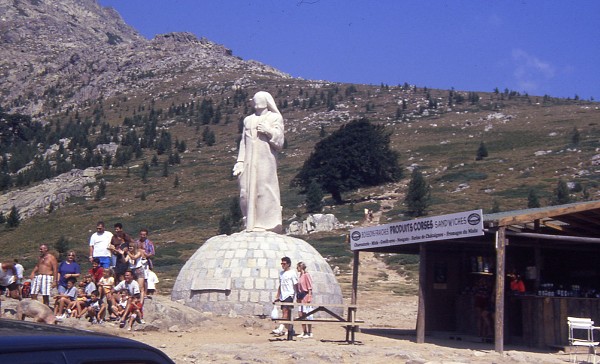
{"points": [[225, 225], [575, 136], [165, 172], [585, 193], [208, 136], [481, 152], [176, 182], [532, 199], [144, 172], [235, 214], [495, 206], [418, 196], [561, 193], [314, 197], [62, 246], [101, 192], [14, 219], [356, 155]]}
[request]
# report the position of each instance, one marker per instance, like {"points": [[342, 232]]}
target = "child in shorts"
{"points": [[106, 284], [78, 305], [116, 311], [95, 309], [135, 312]]}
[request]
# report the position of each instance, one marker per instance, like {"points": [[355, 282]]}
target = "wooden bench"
{"points": [[349, 323]]}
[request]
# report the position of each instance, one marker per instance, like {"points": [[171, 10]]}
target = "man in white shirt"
{"points": [[132, 287], [99, 245], [288, 286]]}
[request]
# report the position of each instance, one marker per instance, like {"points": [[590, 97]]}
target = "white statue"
{"points": [[256, 165]]}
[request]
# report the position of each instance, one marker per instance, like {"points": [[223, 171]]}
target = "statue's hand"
{"points": [[238, 168], [262, 128]]}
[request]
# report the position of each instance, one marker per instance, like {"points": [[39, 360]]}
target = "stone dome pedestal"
{"points": [[238, 274]]}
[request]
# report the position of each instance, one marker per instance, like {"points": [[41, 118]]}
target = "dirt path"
{"points": [[387, 336]]}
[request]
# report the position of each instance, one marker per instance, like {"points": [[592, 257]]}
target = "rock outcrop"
{"points": [[314, 223], [53, 192]]}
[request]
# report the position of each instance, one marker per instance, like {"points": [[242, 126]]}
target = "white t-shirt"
{"points": [[133, 288], [101, 243], [89, 288], [151, 279], [19, 271], [287, 280]]}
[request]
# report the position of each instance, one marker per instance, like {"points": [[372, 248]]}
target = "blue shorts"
{"points": [[104, 262]]}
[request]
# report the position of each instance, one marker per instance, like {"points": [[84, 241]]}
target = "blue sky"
{"points": [[540, 47]]}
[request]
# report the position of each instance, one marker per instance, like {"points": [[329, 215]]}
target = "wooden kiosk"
{"points": [[556, 251]]}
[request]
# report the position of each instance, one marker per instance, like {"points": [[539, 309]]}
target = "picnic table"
{"points": [[349, 323]]}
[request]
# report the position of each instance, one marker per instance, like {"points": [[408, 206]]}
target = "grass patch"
{"points": [[333, 249], [406, 265], [463, 176]]}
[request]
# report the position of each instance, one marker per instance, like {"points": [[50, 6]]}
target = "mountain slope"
{"points": [[70, 63]]}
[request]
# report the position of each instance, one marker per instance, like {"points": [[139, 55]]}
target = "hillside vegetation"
{"points": [[174, 104], [182, 215]]}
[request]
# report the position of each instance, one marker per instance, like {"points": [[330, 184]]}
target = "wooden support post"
{"points": [[500, 279], [539, 264], [354, 297], [422, 296]]}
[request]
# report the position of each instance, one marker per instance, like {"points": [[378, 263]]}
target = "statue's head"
{"points": [[260, 99], [264, 100]]}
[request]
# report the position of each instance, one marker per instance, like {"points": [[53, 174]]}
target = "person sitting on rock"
{"points": [[62, 301], [96, 309], [133, 289]]}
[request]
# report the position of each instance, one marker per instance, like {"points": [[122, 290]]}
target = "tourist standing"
{"points": [[99, 245], [147, 246], [124, 237], [135, 259], [44, 275], [288, 285], [304, 296], [19, 271]]}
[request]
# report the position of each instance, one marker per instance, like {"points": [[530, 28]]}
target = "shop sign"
{"points": [[443, 227]]}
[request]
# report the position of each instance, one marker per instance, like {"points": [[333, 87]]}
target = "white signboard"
{"points": [[452, 226]]}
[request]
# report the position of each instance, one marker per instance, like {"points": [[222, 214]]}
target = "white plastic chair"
{"points": [[581, 334]]}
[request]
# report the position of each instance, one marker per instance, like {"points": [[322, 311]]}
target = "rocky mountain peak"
{"points": [[68, 23], [57, 55]]}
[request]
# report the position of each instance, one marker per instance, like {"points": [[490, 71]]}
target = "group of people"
{"points": [[294, 285], [120, 278]]}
